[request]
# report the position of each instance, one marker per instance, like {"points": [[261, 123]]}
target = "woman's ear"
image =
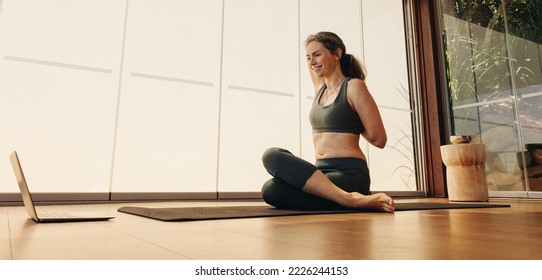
{"points": [[338, 53]]}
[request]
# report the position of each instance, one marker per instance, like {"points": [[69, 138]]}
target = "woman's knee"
{"points": [[273, 153], [273, 157], [269, 191]]}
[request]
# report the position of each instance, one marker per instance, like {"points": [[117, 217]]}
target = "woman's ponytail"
{"points": [[352, 67]]}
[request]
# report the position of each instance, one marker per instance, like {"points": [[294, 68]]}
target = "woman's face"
{"points": [[320, 60], [537, 155]]}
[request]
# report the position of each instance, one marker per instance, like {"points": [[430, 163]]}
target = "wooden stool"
{"points": [[465, 171]]}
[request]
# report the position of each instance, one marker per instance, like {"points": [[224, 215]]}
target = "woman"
{"points": [[342, 110]]}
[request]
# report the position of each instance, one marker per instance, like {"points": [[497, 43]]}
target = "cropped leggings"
{"points": [[290, 173]]}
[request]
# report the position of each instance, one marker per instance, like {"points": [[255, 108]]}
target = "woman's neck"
{"points": [[333, 81]]}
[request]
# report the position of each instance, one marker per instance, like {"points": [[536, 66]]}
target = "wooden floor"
{"points": [[492, 233]]}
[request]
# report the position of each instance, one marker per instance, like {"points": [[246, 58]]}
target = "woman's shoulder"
{"points": [[356, 86], [355, 82]]}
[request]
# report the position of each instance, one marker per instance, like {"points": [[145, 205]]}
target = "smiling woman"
{"points": [[339, 115]]}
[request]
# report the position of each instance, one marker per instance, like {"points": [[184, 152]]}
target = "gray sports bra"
{"points": [[338, 116]]}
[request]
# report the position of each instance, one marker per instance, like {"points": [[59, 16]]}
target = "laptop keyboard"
{"points": [[55, 215]]}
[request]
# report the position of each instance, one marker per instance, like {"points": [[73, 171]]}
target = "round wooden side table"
{"points": [[465, 171]]}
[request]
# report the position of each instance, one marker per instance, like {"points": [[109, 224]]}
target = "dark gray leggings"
{"points": [[290, 173]]}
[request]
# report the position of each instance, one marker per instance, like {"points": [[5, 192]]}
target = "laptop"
{"points": [[47, 217]]}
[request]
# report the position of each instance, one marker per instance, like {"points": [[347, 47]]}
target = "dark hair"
{"points": [[350, 65]]}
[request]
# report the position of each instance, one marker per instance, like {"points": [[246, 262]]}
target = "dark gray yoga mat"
{"points": [[178, 214]]}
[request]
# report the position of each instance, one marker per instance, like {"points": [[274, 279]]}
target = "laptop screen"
{"points": [[25, 193]]}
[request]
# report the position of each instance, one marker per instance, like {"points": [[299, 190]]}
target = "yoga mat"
{"points": [[235, 212]]}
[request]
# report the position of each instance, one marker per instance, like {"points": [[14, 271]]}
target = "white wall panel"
{"points": [[173, 38], [260, 44], [82, 32], [385, 53], [61, 122], [167, 138], [58, 92], [393, 168], [168, 114], [385, 57], [260, 101]]}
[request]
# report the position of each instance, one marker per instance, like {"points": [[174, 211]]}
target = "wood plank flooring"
{"points": [[464, 234]]}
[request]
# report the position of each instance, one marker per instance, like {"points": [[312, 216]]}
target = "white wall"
{"points": [[167, 134], [260, 100], [384, 55], [178, 95], [59, 74]]}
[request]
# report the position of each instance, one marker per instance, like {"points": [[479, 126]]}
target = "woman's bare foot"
{"points": [[378, 202], [318, 184]]}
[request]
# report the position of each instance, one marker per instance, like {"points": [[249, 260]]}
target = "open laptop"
{"points": [[49, 217]]}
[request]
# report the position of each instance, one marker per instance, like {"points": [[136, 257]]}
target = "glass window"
{"points": [[494, 85]]}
